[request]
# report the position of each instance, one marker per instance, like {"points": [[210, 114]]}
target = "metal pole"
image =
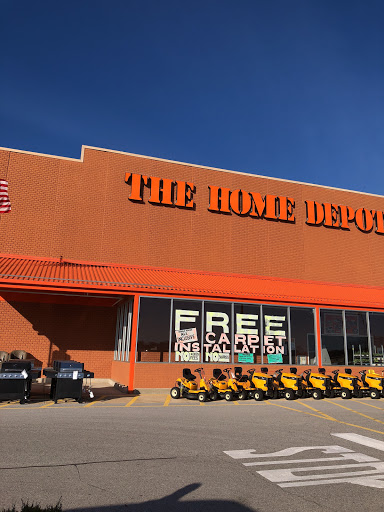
{"points": [[289, 336]]}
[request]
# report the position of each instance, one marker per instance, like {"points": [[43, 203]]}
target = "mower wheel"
{"points": [[317, 394], [259, 396], [228, 395], [175, 393], [346, 394], [374, 393], [289, 394], [202, 397], [243, 395], [213, 395]]}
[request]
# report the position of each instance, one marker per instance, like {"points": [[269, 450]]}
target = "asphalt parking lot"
{"points": [[151, 453]]}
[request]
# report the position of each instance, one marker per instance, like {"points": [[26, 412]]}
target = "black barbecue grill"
{"points": [[16, 379], [67, 379]]}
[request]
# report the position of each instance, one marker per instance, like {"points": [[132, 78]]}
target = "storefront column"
{"points": [[132, 355], [318, 336]]}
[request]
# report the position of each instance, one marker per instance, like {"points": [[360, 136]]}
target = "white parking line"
{"points": [[364, 440]]}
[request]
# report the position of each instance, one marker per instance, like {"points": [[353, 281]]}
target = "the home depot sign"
{"points": [[181, 194]]}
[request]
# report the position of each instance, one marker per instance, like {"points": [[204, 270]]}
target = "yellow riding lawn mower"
{"points": [[370, 384], [222, 386], [244, 383], [264, 385], [316, 385], [186, 387], [344, 384], [289, 384]]}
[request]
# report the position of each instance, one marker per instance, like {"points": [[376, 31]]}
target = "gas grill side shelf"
{"points": [[35, 373], [50, 373]]}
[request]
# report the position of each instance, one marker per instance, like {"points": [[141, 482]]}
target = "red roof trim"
{"points": [[54, 274], [188, 271]]}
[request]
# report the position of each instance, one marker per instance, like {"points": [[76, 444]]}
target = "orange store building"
{"points": [[139, 267]]}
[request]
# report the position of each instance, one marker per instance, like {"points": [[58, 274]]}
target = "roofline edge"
{"points": [[249, 174]]}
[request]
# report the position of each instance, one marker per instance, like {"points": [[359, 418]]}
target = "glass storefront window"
{"points": [[186, 331], [357, 338], [303, 341], [153, 331], [247, 346], [217, 345], [275, 330], [332, 337], [196, 331], [376, 327]]}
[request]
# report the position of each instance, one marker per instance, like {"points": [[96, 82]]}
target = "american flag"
{"points": [[5, 203]]}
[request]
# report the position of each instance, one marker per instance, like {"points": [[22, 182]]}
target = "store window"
{"points": [[217, 343], [247, 345], [194, 331], [376, 327], [186, 336], [357, 338], [332, 337], [303, 341], [275, 331], [153, 331]]}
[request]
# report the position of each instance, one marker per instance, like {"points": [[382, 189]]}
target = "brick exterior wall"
{"points": [[60, 331]]}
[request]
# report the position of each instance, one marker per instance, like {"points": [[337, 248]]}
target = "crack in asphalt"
{"points": [[87, 463], [87, 483]]}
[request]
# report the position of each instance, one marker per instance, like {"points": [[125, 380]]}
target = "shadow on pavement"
{"points": [[172, 503], [40, 392]]}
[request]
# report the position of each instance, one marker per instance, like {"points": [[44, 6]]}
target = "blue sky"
{"points": [[284, 88]]}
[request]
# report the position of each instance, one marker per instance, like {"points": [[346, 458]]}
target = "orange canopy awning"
{"points": [[53, 275]]}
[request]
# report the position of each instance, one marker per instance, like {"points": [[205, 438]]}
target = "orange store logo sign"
{"points": [[176, 193]]}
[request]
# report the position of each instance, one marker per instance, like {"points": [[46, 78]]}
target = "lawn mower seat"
{"points": [[187, 374], [218, 374]]}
